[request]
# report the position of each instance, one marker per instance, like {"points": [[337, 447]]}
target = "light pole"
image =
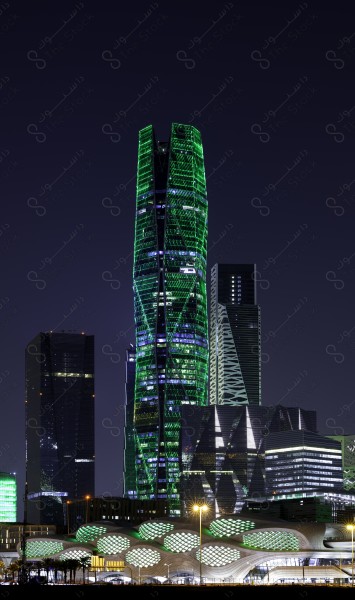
{"points": [[68, 502], [200, 508], [351, 528], [87, 498], [168, 565]]}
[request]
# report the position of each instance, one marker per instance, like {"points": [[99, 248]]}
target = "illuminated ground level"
{"points": [[229, 550]]}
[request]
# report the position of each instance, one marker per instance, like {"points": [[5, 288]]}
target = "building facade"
{"points": [[170, 304], [298, 462], [130, 486], [348, 458], [60, 433], [11, 534], [113, 509], [235, 367], [8, 498], [223, 452]]}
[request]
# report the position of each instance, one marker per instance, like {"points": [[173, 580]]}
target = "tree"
{"points": [[64, 568], [47, 564], [73, 565], [14, 567], [84, 562], [57, 566]]}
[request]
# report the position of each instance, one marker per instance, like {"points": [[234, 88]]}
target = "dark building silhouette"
{"points": [[60, 435], [223, 451], [112, 508], [235, 369], [170, 304]]}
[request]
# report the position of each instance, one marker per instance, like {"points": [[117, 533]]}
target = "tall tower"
{"points": [[60, 434], [129, 448], [234, 336], [170, 303]]}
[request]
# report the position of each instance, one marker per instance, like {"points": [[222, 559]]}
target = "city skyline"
{"points": [[274, 109]]}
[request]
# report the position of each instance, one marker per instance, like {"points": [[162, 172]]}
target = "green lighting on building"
{"points": [[217, 556], [152, 529], [143, 557], [8, 498], [41, 548], [272, 540], [112, 544], [228, 527], [76, 554], [170, 304], [181, 541], [89, 533]]}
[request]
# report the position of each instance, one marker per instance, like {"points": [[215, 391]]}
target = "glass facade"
{"points": [[235, 368], [8, 498], [170, 304], [223, 451], [302, 461], [60, 428], [130, 487], [348, 456]]}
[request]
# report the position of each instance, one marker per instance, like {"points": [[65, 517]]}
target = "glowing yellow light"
{"points": [[202, 507]]}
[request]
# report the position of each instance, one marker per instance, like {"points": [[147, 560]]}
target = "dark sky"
{"points": [[271, 88]]}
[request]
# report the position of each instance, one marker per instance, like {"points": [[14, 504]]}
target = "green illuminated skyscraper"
{"points": [[8, 498], [170, 303]]}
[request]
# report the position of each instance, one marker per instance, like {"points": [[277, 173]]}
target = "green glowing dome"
{"points": [[150, 530], [182, 541], [112, 544], [227, 527], [143, 557], [272, 540], [217, 556]]}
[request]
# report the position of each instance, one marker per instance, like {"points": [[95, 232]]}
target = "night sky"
{"points": [[271, 88]]}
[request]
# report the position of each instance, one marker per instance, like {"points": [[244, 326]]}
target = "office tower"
{"points": [[8, 498], [300, 462], [170, 303], [223, 451], [60, 456], [129, 448], [234, 336], [348, 459]]}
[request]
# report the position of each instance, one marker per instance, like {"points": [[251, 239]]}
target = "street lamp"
{"points": [[68, 502], [87, 498], [200, 508], [351, 528], [168, 565]]}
